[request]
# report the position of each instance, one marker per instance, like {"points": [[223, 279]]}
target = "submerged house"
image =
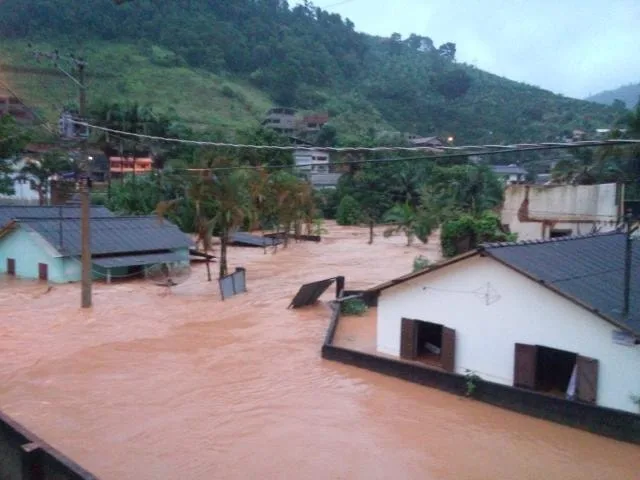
{"points": [[546, 316], [45, 243]]}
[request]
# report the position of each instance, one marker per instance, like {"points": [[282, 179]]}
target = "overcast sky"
{"points": [[573, 47]]}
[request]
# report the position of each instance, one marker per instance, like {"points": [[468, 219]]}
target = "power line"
{"points": [[480, 149], [44, 123]]}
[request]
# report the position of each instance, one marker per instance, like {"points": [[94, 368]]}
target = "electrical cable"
{"points": [[523, 147]]}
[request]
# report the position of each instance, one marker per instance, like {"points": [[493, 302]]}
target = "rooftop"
{"points": [[509, 170], [15, 212], [588, 270], [109, 236]]}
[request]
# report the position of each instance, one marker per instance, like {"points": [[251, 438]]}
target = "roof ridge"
{"points": [[522, 243]]}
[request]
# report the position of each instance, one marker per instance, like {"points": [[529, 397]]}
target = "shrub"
{"points": [[466, 232], [420, 263], [348, 212], [353, 306]]}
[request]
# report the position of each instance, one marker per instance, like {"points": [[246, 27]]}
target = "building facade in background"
{"points": [[536, 212]]}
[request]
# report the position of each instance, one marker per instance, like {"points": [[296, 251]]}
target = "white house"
{"points": [[311, 161], [550, 211], [510, 174], [23, 193], [546, 316]]}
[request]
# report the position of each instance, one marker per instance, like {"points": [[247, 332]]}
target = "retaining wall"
{"points": [[24, 456]]}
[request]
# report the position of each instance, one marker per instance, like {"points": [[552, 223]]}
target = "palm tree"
{"points": [[39, 173], [403, 218]]}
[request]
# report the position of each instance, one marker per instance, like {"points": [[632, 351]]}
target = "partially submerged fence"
{"points": [[233, 284], [24, 456]]}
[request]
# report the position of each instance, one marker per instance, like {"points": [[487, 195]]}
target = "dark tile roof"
{"points": [[110, 236], [16, 212], [588, 269]]}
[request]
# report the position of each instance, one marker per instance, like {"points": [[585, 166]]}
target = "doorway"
{"points": [[11, 266], [43, 271]]}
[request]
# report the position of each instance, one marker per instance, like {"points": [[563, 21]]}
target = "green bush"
{"points": [[349, 212], [420, 263], [353, 306], [466, 232]]}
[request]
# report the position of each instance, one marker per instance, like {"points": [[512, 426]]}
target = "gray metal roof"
{"points": [[325, 179], [137, 260], [115, 235], [245, 239], [16, 212], [589, 269], [508, 170]]}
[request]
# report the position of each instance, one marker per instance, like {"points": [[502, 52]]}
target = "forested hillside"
{"points": [[267, 52], [628, 94]]}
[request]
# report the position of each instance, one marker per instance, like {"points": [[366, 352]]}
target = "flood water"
{"points": [[158, 385]]}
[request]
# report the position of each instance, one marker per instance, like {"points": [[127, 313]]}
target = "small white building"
{"points": [[546, 316], [23, 194], [311, 161], [510, 174], [537, 212]]}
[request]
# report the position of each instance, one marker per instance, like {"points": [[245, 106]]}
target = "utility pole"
{"points": [[628, 258], [85, 167]]}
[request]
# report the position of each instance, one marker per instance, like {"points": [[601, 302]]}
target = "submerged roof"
{"points": [[16, 212], [588, 270], [136, 260], [110, 236]]}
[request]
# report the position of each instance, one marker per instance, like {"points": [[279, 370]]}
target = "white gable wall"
{"points": [[526, 312]]}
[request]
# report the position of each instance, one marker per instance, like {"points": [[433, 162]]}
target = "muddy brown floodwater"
{"points": [[150, 385]]}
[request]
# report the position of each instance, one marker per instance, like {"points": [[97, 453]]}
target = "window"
{"points": [[429, 343], [560, 233], [555, 372]]}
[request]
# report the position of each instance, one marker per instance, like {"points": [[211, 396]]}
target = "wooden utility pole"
{"points": [[85, 168], [85, 197]]}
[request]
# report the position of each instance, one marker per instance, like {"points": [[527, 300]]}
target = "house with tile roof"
{"points": [[45, 243], [546, 316]]}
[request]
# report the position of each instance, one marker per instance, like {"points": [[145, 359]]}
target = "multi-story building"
{"points": [[282, 120]]}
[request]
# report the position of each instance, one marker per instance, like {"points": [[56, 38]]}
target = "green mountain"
{"points": [[222, 63], [629, 94]]}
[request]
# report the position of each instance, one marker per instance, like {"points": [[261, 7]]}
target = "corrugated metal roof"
{"points": [[111, 235], [16, 212], [247, 240], [509, 170], [310, 293], [137, 260]]}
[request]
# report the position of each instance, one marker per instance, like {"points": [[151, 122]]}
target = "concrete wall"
{"points": [[522, 312], [23, 456], [574, 207], [29, 249]]}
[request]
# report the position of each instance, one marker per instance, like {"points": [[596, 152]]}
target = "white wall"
{"points": [[526, 312], [29, 249], [565, 204]]}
